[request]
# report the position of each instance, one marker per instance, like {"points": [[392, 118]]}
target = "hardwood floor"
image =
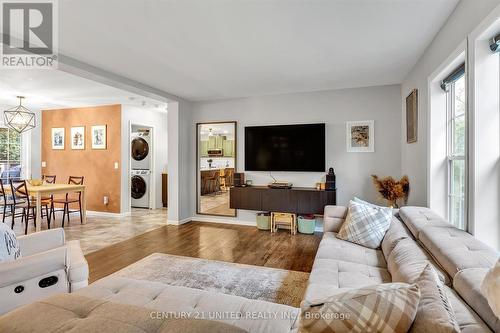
{"points": [[225, 242]]}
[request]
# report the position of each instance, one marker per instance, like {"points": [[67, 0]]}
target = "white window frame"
{"points": [[451, 156]]}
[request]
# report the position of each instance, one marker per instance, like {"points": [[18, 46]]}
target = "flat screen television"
{"points": [[285, 148]]}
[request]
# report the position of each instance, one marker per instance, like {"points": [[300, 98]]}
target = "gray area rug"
{"points": [[254, 282]]}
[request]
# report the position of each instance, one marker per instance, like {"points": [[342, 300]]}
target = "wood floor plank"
{"points": [[225, 242]]}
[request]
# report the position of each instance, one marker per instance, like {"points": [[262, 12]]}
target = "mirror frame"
{"points": [[198, 171]]}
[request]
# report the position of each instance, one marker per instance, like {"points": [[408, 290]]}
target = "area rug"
{"points": [[254, 282]]}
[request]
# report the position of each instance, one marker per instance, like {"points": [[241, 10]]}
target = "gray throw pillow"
{"points": [[365, 225], [9, 246]]}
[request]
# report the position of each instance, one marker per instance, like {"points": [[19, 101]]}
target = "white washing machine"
{"points": [[140, 148], [139, 183]]}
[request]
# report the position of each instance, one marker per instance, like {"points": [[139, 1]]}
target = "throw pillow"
{"points": [[434, 313], [490, 288], [386, 308], [365, 225], [9, 246]]}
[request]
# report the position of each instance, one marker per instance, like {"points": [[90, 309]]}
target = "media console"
{"points": [[302, 200]]}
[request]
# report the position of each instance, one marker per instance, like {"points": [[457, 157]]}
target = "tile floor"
{"points": [[99, 231]]}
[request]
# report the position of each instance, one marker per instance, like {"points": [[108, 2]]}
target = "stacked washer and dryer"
{"points": [[141, 161]]}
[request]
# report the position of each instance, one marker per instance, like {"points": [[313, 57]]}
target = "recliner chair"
{"points": [[48, 265]]}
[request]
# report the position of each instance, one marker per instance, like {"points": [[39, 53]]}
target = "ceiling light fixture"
{"points": [[20, 118]]}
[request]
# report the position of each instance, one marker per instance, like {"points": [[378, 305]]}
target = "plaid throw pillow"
{"points": [[365, 225], [383, 308]]}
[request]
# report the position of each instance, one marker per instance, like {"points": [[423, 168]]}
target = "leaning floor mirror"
{"points": [[216, 156]]}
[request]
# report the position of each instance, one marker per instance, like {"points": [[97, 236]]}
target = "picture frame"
{"points": [[98, 136], [412, 117], [78, 138], [360, 136], [57, 138]]}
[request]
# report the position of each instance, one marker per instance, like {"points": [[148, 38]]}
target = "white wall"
{"points": [[414, 161], [334, 108], [151, 118], [181, 162]]}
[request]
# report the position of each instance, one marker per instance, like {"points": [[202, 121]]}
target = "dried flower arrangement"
{"points": [[393, 190]]}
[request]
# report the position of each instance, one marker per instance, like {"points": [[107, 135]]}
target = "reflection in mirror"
{"points": [[216, 166]]}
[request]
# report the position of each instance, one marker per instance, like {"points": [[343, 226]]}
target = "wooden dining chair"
{"points": [[70, 198], [5, 201], [22, 200], [49, 179]]}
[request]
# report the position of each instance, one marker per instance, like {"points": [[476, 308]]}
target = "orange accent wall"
{"points": [[97, 166]]}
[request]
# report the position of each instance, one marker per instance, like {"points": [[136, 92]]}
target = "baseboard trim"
{"points": [[107, 214], [212, 219], [179, 222]]}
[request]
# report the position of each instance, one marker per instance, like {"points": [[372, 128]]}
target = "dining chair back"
{"points": [[49, 179], [19, 191]]}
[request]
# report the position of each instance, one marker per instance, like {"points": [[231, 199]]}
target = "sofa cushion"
{"points": [[195, 302], [75, 313], [333, 218], [416, 218], [365, 225], [381, 308], [332, 247], [455, 249], [467, 283], [9, 246], [434, 313], [467, 319], [397, 231], [329, 277], [408, 260]]}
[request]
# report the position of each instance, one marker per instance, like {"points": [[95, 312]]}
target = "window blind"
{"points": [[455, 75]]}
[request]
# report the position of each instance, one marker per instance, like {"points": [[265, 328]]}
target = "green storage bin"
{"points": [[264, 221], [306, 224]]}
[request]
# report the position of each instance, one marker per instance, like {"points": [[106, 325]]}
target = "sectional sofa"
{"points": [[416, 237]]}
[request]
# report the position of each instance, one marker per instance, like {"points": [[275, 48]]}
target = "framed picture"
{"points": [[99, 137], [360, 136], [78, 137], [58, 138], [412, 117]]}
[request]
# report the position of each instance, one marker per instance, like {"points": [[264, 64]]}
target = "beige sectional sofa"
{"points": [[416, 237]]}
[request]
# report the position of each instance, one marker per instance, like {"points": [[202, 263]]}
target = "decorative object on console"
{"points": [[393, 190], [9, 246], [20, 118], [248, 182], [412, 117], [360, 136], [365, 225], [239, 179], [78, 138], [58, 138], [330, 180], [389, 307], [98, 133]]}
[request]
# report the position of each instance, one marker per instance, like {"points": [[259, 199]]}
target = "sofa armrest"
{"points": [[26, 268], [333, 218], [78, 268], [41, 241]]}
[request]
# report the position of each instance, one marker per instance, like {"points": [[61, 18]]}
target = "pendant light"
{"points": [[20, 118]]}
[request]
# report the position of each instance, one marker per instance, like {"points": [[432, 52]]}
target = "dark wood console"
{"points": [[302, 200]]}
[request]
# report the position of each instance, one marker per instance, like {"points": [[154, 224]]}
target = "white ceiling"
{"points": [[50, 89], [203, 50]]}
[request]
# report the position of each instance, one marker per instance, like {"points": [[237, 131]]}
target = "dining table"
{"points": [[45, 190]]}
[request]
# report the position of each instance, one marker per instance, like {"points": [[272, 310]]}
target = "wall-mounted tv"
{"points": [[285, 148]]}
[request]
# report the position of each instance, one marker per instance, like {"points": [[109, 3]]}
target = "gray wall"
{"points": [[414, 158], [334, 108]]}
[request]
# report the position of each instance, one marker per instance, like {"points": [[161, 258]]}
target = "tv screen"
{"points": [[285, 148]]}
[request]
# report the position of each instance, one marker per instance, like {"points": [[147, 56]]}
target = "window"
{"points": [[457, 158], [10, 155]]}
